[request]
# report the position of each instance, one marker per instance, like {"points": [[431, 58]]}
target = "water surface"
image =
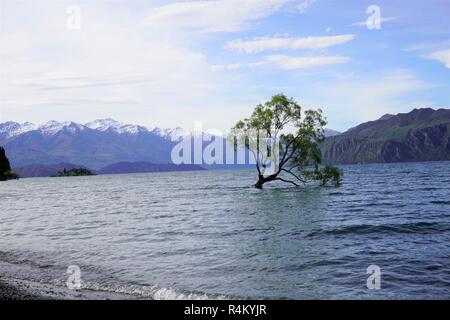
{"points": [[211, 235]]}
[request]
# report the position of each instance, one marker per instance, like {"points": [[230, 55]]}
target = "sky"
{"points": [[172, 63]]}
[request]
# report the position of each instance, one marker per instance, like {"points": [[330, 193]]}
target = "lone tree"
{"points": [[5, 167], [289, 157]]}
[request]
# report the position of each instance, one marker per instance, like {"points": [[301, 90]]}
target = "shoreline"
{"points": [[10, 292], [16, 284], [15, 289], [29, 290]]}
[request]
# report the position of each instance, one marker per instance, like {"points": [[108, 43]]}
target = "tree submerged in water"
{"points": [[293, 158], [5, 167]]}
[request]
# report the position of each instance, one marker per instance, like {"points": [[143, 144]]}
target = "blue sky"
{"points": [[168, 64]]}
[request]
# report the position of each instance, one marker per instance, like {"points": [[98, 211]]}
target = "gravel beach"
{"points": [[9, 292], [16, 289]]}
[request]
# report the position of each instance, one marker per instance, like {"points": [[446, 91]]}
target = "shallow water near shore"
{"points": [[210, 234]]}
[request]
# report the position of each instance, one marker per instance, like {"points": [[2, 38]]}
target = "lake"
{"points": [[210, 234]]}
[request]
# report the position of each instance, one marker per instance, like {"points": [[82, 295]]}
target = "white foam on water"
{"points": [[152, 292]]}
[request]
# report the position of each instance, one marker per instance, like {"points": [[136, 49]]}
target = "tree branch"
{"points": [[283, 160], [292, 168], [288, 181], [297, 177], [256, 160]]}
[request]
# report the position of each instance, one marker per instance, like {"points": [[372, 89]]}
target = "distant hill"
{"points": [[420, 135], [137, 167], [331, 132], [76, 172], [39, 170]]}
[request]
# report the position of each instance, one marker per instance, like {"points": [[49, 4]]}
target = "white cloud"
{"points": [[304, 5], [229, 67], [362, 97], [279, 43], [14, 43], [290, 63], [364, 23], [234, 66], [71, 102], [112, 67], [212, 16], [443, 56], [435, 46], [117, 67]]}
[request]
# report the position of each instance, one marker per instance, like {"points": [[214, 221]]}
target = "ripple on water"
{"points": [[198, 234]]}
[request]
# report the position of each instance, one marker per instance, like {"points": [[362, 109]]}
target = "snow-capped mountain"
{"points": [[53, 127], [171, 134], [94, 144], [11, 129], [115, 126]]}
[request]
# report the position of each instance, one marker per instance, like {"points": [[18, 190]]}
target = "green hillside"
{"points": [[420, 135]]}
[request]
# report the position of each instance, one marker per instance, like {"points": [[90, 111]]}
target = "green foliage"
{"points": [[420, 135], [329, 175], [8, 175], [299, 155], [74, 172], [5, 167]]}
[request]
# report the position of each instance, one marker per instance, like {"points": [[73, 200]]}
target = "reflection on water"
{"points": [[212, 234]]}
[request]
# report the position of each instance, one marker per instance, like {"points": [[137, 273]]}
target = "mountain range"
{"points": [[95, 144], [420, 135]]}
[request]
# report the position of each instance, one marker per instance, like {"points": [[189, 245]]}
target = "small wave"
{"points": [[355, 210], [440, 202], [39, 276], [152, 292], [419, 227]]}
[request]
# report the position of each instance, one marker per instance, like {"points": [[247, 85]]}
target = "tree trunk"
{"points": [[262, 180]]}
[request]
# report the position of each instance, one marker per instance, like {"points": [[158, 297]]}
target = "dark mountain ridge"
{"points": [[139, 167], [420, 135], [40, 170]]}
